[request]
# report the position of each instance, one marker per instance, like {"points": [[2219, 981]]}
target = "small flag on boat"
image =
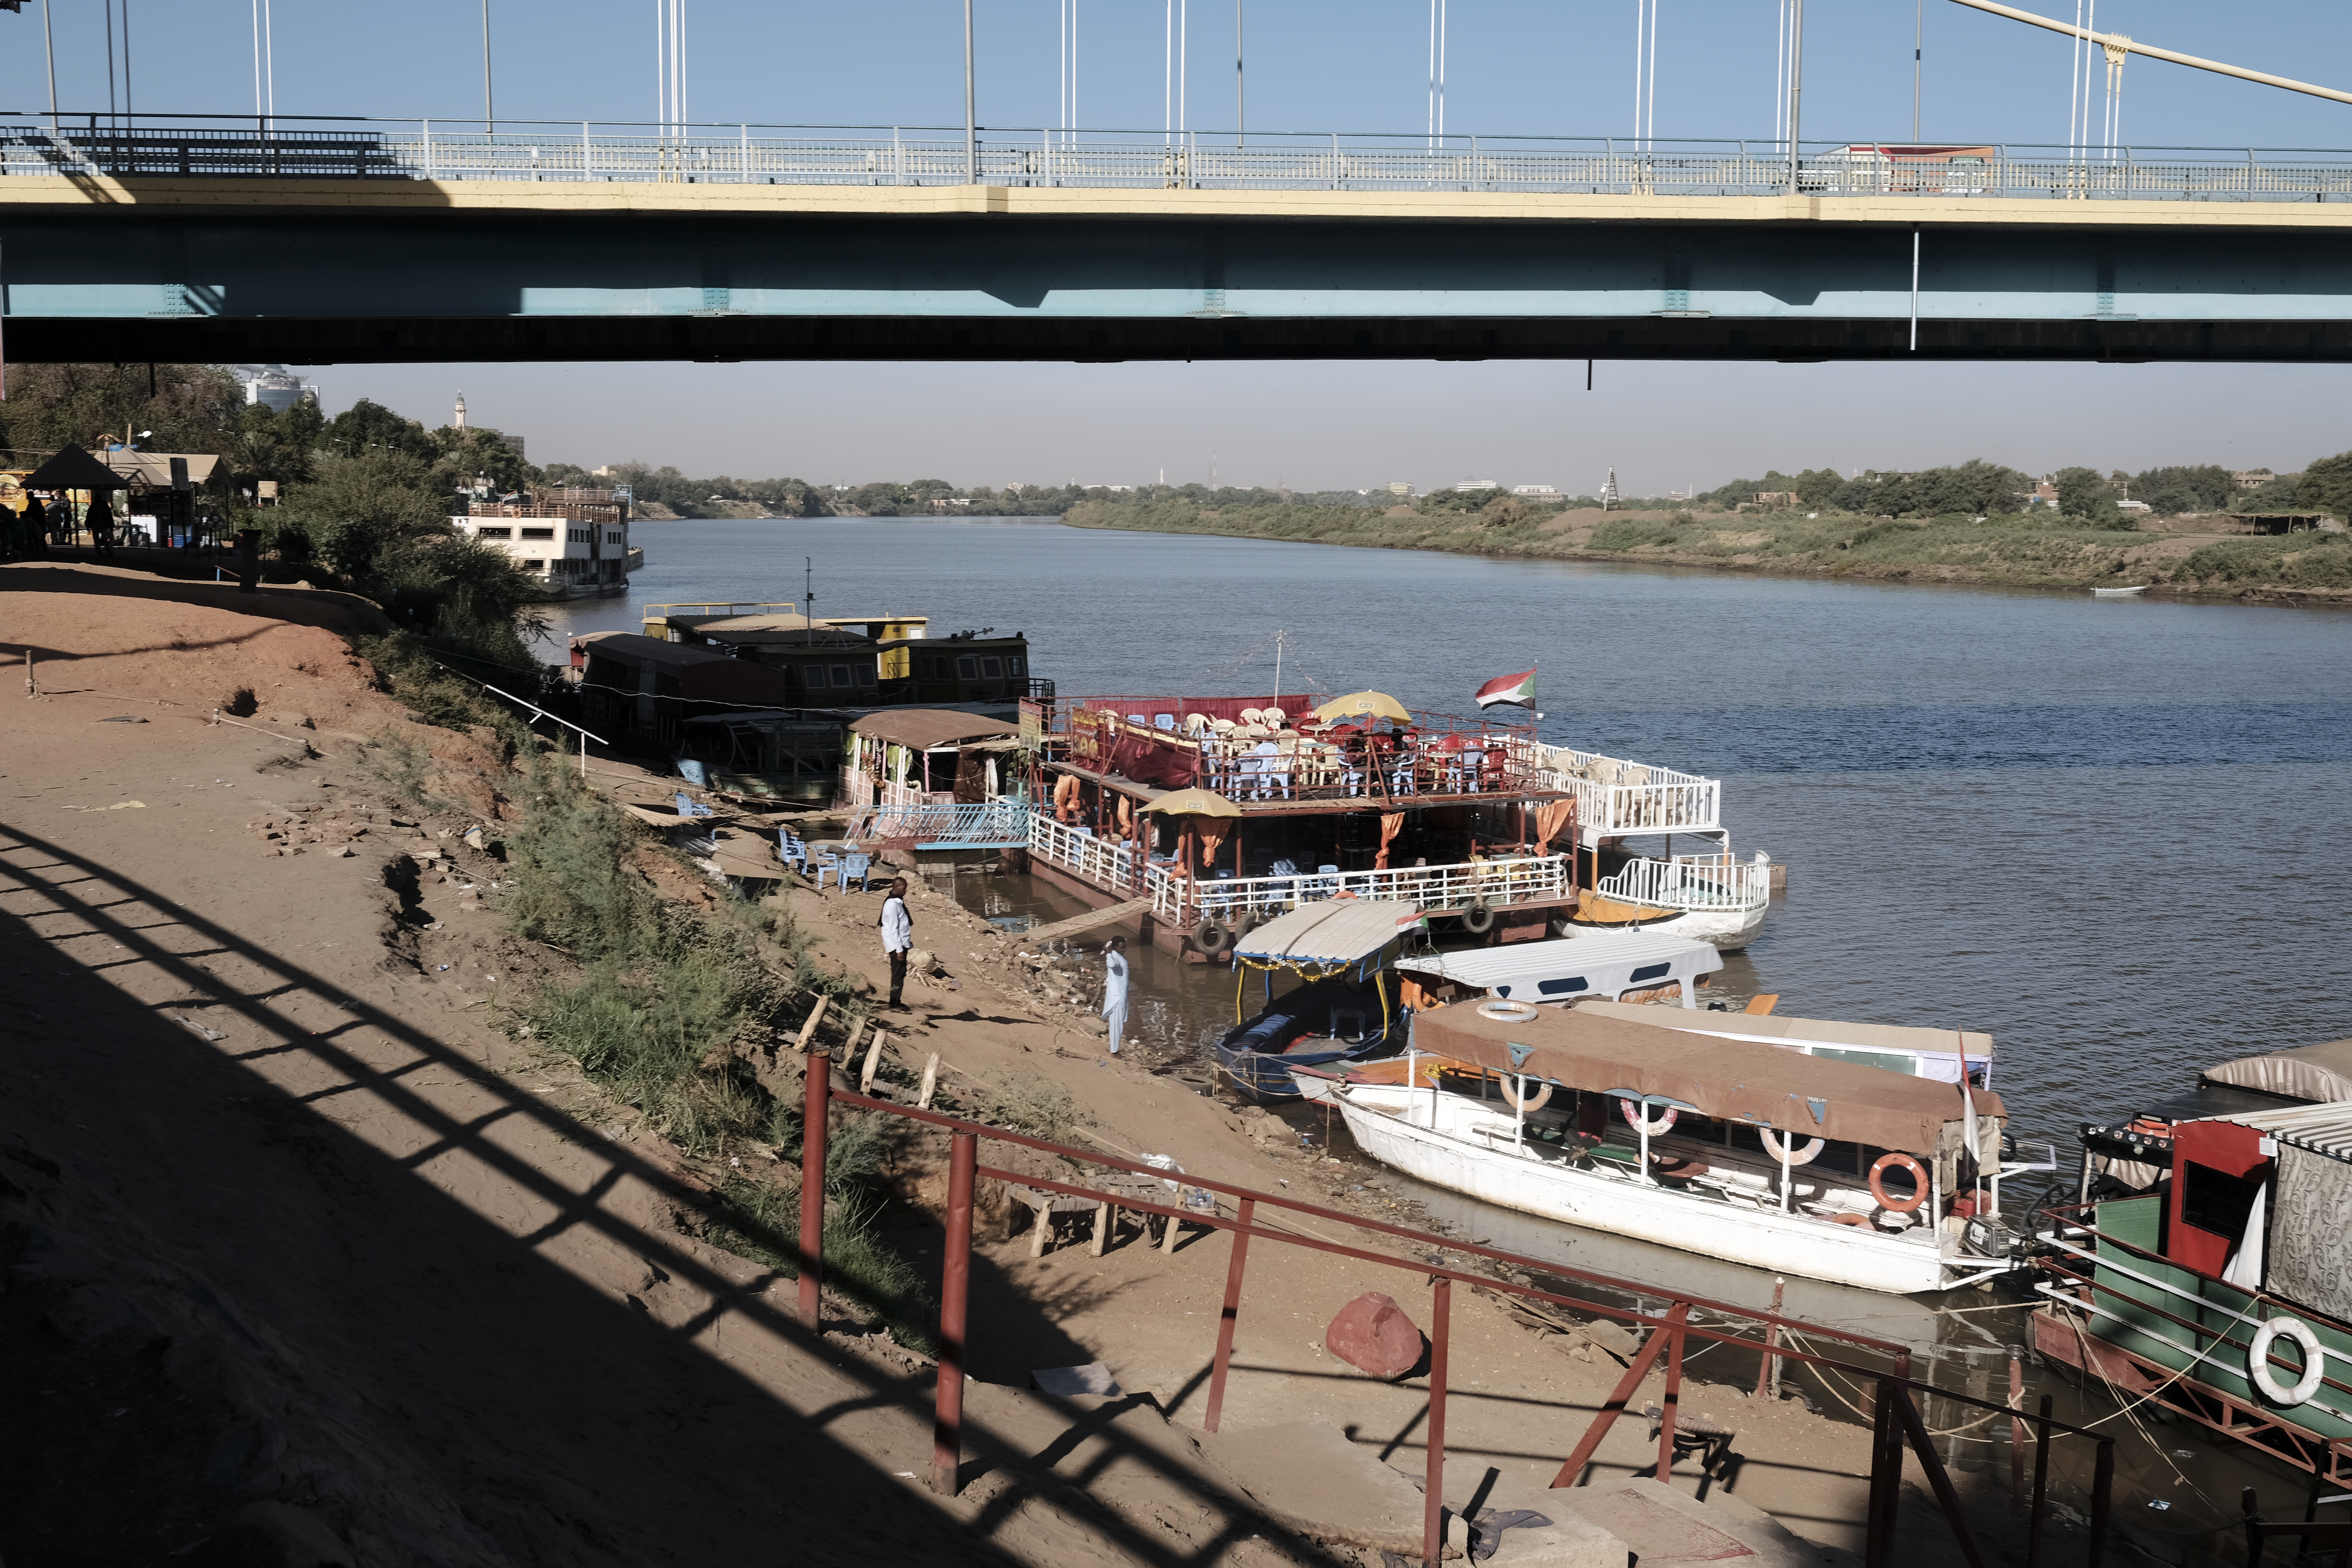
{"points": [[1520, 689]]}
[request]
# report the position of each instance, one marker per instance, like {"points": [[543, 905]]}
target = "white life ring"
{"points": [[1535, 1101], [1505, 1011], [1798, 1156], [2258, 1362], [1643, 1122]]}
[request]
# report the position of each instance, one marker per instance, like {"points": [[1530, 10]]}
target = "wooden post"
{"points": [[815, 1105], [873, 1058], [808, 1031], [930, 1081], [1672, 1398], [1225, 1318], [955, 1288]]}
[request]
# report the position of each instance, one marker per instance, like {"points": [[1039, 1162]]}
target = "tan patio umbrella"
{"points": [[1205, 837], [1365, 705], [1194, 802]]}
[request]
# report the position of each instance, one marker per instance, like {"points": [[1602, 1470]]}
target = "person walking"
{"points": [[898, 941], [1114, 1002]]}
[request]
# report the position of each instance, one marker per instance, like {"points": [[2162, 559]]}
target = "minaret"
{"points": [[461, 410]]}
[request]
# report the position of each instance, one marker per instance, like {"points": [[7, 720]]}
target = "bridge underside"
{"points": [[194, 273]]}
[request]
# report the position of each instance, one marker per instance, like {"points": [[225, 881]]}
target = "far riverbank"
{"points": [[2302, 569]]}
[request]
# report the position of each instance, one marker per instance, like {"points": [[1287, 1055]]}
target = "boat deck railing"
{"points": [[1670, 1318], [1690, 882], [954, 824], [1614, 797], [1436, 889]]}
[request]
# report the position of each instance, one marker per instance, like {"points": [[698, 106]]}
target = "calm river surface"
{"points": [[2104, 831]]}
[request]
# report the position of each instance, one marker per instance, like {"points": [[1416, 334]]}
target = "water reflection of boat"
{"points": [[1735, 1148], [2204, 1264], [1346, 1011]]}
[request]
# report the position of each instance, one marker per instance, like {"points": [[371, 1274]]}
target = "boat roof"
{"points": [[1779, 1030], [1336, 931], [925, 728], [2325, 1129], [2312, 1073], [1586, 1047], [1613, 955]]}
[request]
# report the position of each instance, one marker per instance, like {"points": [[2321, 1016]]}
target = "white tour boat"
{"points": [[1609, 964], [1734, 1149]]}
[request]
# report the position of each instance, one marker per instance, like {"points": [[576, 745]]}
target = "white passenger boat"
{"points": [[1733, 1149], [2132, 592], [1610, 965]]}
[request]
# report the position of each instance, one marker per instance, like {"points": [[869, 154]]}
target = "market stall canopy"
{"points": [[1365, 705], [152, 471], [1194, 802], [1334, 932], [2314, 1073], [74, 469], [1737, 1080], [927, 729]]}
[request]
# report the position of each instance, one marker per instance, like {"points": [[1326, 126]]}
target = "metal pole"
{"points": [[50, 49], [490, 110], [1231, 1310], [1918, 37], [128, 113], [1432, 1505], [955, 1291], [1914, 349], [269, 61], [1672, 1395], [1241, 95], [1796, 85], [2016, 1429], [2041, 1485], [970, 127], [813, 1130], [2102, 1484]]}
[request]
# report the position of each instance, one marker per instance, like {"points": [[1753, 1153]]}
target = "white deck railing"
{"points": [[1436, 889], [1692, 882], [1105, 862], [1615, 797]]}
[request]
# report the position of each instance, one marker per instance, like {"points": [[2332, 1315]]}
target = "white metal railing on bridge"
{"points": [[83, 144], [1692, 882], [1615, 797]]}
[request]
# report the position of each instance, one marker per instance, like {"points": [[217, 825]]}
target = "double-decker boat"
{"points": [[2206, 1263], [1488, 831], [1736, 1149]]}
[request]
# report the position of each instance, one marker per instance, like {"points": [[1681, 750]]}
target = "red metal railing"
{"points": [[1895, 1420]]}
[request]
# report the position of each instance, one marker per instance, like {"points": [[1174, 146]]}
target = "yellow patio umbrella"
{"points": [[1194, 802], [1365, 705]]}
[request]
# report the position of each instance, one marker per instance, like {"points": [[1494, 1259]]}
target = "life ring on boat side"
{"points": [[2258, 1362], [1918, 1183], [1796, 1155], [1478, 919], [1505, 1011], [1535, 1101], [1212, 937], [1641, 1123]]}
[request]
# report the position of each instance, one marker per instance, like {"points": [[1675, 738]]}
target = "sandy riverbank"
{"points": [[304, 1245]]}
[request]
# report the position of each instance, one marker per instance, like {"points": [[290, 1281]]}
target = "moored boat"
{"points": [[1347, 1011], [2132, 592], [1616, 966], [2204, 1266], [1734, 1149]]}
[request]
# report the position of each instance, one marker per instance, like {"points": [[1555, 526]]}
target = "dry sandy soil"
{"points": [[304, 1262]]}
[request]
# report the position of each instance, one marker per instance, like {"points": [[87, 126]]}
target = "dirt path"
{"points": [[298, 1248]]}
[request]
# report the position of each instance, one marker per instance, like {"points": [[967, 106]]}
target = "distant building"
{"points": [[1400, 488], [2133, 506], [2043, 494], [2252, 479], [1536, 492], [511, 443], [278, 388], [574, 541], [1478, 485], [1774, 498]]}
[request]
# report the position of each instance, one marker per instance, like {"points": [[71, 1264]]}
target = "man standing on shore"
{"points": [[1114, 1002], [897, 940]]}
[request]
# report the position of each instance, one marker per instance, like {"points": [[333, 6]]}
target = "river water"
{"points": [[2096, 829]]}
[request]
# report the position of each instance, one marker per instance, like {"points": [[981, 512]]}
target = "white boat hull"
{"points": [[1728, 930], [1481, 1160]]}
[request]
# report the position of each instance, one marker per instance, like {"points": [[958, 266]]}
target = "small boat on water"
{"points": [[2203, 1263], [2136, 589], [1632, 966], [1734, 1149], [1346, 1012]]}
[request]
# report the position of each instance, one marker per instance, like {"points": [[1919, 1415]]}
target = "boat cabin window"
{"points": [[2216, 1202], [1650, 971], [1568, 987]]}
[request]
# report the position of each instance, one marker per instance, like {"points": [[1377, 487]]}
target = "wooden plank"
{"points": [[1086, 921]]}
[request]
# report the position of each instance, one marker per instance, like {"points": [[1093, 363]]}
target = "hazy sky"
{"points": [[1513, 67]]}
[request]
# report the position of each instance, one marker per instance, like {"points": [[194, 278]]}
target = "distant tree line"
{"points": [[1979, 488]]}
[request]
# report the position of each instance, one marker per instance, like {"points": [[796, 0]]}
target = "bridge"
{"points": [[128, 240]]}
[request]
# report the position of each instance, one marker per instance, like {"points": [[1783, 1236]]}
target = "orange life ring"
{"points": [[1535, 1101], [1918, 1183]]}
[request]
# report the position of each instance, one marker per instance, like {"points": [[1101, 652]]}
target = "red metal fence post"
{"points": [[814, 1108], [2103, 1486], [1225, 1318], [955, 1290], [1432, 1505], [1674, 1391], [1886, 1476], [1643, 1359]]}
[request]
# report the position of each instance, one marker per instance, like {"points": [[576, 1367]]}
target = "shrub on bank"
{"points": [[2292, 561]]}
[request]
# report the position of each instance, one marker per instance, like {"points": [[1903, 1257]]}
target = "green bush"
{"points": [[2293, 561]]}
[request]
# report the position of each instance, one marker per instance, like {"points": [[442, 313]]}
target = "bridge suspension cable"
{"points": [[2117, 45]]}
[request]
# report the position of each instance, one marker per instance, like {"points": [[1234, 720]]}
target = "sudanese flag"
{"points": [[1520, 689]]}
